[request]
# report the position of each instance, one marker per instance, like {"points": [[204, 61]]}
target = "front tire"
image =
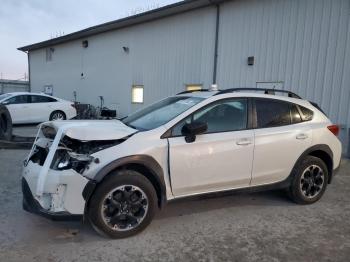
{"points": [[310, 179], [5, 124], [123, 205]]}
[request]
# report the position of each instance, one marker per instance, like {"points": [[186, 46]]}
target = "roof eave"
{"points": [[159, 13]]}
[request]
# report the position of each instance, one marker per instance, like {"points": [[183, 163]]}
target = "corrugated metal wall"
{"points": [[164, 56], [8, 86], [304, 43]]}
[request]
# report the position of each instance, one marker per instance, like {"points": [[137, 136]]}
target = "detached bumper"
{"points": [[30, 204]]}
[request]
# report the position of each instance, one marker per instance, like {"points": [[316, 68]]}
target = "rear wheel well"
{"points": [[327, 159], [145, 171]]}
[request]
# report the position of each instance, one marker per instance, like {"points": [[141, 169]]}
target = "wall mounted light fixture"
{"points": [[85, 43]]}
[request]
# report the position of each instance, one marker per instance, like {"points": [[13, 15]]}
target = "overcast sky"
{"points": [[25, 22]]}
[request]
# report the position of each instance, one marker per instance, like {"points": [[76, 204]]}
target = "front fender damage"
{"points": [[56, 167]]}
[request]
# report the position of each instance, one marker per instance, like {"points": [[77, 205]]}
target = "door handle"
{"points": [[302, 136], [244, 142]]}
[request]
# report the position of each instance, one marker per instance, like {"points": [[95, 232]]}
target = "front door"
{"points": [[18, 107], [221, 158]]}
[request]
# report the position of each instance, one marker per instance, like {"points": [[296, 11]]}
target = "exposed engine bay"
{"points": [[71, 153]]}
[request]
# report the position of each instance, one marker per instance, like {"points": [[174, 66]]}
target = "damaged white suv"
{"points": [[118, 173]]}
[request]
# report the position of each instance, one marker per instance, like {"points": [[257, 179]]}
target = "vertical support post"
{"points": [[29, 78], [216, 50], [348, 135]]}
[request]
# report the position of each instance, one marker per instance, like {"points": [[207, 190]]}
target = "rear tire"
{"points": [[123, 205], [5, 124], [310, 179], [57, 115]]}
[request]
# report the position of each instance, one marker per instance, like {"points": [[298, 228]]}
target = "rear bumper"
{"points": [[30, 204], [336, 171]]}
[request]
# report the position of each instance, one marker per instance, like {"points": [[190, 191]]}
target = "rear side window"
{"points": [[272, 113], [42, 99], [296, 117], [306, 114]]}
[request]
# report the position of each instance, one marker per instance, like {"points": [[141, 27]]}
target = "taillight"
{"points": [[334, 129]]}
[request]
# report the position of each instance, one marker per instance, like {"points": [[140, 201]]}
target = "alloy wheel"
{"points": [[57, 116], [312, 181], [124, 208]]}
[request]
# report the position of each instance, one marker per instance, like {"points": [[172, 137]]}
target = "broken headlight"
{"points": [[76, 154], [65, 159]]}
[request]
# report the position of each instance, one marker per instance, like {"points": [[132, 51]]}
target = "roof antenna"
{"points": [[214, 87]]}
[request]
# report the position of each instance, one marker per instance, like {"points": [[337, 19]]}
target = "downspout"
{"points": [[216, 50], [29, 77]]}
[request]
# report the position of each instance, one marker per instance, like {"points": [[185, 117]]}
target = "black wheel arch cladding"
{"points": [[323, 152], [146, 165]]}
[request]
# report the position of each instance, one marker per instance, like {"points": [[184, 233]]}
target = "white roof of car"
{"points": [[26, 93]]}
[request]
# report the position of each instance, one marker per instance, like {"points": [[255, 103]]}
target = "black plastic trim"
{"points": [[319, 147], [275, 186], [268, 91], [147, 161], [192, 91], [31, 205], [89, 190]]}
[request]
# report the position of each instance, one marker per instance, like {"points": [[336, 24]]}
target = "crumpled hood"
{"points": [[87, 130]]}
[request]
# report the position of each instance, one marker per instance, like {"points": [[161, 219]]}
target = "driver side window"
{"points": [[21, 99], [221, 116]]}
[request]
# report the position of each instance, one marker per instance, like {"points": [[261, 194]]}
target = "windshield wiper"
{"points": [[131, 126]]}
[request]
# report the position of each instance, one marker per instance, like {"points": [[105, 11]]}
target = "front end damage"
{"points": [[57, 168]]}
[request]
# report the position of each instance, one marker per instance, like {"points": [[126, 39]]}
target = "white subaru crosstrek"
{"points": [[118, 173]]}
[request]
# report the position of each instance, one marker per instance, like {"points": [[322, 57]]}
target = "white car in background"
{"points": [[26, 107]]}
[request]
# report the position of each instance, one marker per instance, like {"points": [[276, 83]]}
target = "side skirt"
{"points": [[275, 186]]}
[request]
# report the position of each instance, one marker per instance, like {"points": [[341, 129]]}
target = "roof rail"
{"points": [[193, 91], [267, 91]]}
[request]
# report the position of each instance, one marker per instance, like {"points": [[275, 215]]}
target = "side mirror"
{"points": [[191, 130], [5, 103]]}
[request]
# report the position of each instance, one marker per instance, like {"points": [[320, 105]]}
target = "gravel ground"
{"points": [[237, 227]]}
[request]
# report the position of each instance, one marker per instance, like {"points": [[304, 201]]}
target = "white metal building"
{"points": [[298, 45]]}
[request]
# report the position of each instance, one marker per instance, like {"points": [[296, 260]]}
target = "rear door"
{"points": [[18, 107], [280, 138], [41, 107]]}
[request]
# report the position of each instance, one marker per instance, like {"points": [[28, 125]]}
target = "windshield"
{"points": [[161, 113], [4, 96]]}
